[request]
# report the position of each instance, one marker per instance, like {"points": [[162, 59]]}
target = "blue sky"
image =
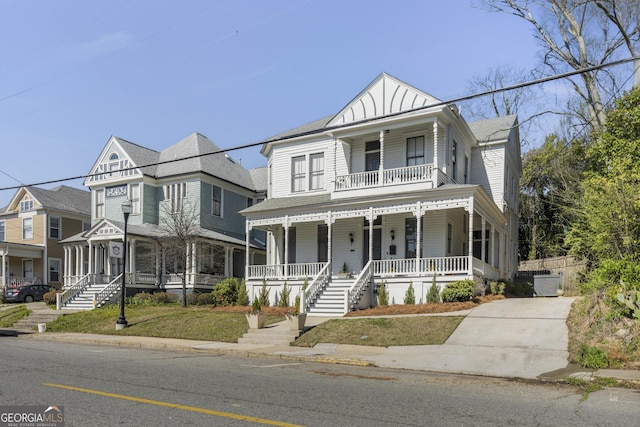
{"points": [[75, 72]]}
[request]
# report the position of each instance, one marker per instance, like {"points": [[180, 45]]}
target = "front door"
{"points": [[377, 245], [27, 269]]}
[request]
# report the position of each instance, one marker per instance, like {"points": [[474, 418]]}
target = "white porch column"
{"points": [[470, 228], [286, 245], [131, 251], [436, 163], [381, 167], [76, 250], [418, 214], [482, 250], [246, 251], [371, 221], [194, 262], [4, 268], [90, 257], [81, 267], [158, 263], [65, 268], [329, 236]]}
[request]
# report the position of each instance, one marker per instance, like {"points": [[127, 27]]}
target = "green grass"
{"points": [[11, 315], [201, 323], [382, 332], [163, 321]]}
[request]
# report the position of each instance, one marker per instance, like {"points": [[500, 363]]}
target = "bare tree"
{"points": [[180, 226], [576, 34], [522, 101]]}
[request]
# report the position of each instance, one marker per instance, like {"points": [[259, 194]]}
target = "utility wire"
{"points": [[330, 128]]}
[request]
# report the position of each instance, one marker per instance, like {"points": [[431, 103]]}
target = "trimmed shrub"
{"points": [[496, 288], [284, 296], [433, 296], [165, 298], [225, 292], [263, 296], [410, 296], [49, 298], [461, 290], [383, 295], [243, 297], [205, 299]]}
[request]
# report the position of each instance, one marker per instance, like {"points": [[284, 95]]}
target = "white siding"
{"points": [[435, 234], [488, 170]]}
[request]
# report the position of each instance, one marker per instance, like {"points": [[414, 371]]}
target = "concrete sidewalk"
{"points": [[512, 338]]}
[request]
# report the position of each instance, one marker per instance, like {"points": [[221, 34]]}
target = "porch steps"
{"points": [[271, 335], [84, 300], [331, 301]]}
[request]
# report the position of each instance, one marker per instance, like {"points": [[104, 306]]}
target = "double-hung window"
{"points": [[174, 193], [26, 205], [415, 151], [216, 200], [99, 203], [27, 228], [54, 227], [298, 174], [454, 160], [316, 162], [2, 235], [134, 197], [55, 265]]}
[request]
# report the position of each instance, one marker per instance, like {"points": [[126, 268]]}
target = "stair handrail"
{"points": [[361, 282], [108, 290], [75, 289], [317, 284]]}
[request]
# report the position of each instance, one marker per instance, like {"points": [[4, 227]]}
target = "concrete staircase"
{"points": [[40, 313], [331, 301], [84, 300], [270, 335]]}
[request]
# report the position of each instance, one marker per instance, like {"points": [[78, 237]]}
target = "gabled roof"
{"points": [[192, 148], [260, 178], [384, 95], [62, 198], [495, 129], [140, 155]]}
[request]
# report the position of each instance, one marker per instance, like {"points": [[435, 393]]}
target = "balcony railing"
{"points": [[438, 265], [406, 175]]}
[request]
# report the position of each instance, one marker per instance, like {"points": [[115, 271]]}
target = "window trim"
{"points": [[136, 202], [100, 203], [49, 270], [218, 202], [3, 231], [300, 177], [59, 228], [29, 229], [318, 174], [415, 157]]}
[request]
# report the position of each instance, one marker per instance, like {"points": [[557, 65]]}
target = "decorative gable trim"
{"points": [[385, 95], [113, 164]]}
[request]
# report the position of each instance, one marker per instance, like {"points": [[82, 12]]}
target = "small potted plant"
{"points": [[255, 317], [295, 318], [344, 274]]}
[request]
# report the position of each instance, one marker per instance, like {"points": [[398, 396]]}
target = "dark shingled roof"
{"points": [[64, 198], [495, 129]]}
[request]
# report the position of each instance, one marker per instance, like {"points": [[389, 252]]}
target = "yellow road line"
{"points": [[176, 406]]}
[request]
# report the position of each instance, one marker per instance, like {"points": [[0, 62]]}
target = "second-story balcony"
{"points": [[425, 173]]}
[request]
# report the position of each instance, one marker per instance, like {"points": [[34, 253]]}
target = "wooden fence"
{"points": [[570, 268]]}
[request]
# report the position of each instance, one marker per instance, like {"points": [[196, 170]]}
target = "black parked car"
{"points": [[26, 293]]}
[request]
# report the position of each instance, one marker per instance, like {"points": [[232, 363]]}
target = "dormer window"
{"points": [[26, 205]]}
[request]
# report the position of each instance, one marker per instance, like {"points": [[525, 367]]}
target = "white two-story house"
{"points": [[396, 186], [208, 188]]}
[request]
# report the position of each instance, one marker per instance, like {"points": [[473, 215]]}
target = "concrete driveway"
{"points": [[520, 338]]}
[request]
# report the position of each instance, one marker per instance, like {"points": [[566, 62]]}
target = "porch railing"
{"points": [[292, 271], [418, 173], [18, 282], [69, 293], [315, 287], [439, 265], [362, 281], [108, 291]]}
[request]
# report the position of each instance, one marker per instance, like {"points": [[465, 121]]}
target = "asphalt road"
{"points": [[108, 386]]}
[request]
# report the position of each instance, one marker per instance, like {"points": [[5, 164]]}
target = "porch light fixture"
{"points": [[393, 234], [121, 323], [351, 237]]}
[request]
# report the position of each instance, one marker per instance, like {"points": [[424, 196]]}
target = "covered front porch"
{"points": [[441, 239], [22, 265]]}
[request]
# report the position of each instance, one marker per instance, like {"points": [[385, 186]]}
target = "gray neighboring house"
{"points": [[208, 182]]}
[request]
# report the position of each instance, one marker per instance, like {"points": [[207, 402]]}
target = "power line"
{"points": [[330, 128]]}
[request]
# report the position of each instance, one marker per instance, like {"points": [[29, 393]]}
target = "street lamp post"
{"points": [[121, 323]]}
